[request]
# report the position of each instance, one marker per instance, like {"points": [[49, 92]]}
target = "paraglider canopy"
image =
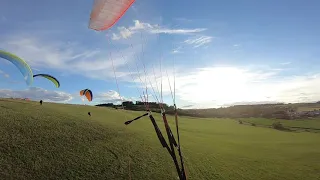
{"points": [[51, 78], [105, 13], [23, 67], [87, 93]]}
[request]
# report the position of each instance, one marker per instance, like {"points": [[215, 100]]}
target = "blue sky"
{"points": [[223, 52]]}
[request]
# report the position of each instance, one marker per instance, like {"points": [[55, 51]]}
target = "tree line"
{"points": [[278, 110]]}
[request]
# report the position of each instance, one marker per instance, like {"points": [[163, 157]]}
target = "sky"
{"points": [[206, 53]]}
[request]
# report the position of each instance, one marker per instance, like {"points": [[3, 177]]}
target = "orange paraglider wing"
{"points": [[88, 94], [81, 92], [105, 13]]}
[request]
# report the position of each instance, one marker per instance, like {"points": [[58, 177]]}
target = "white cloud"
{"points": [[126, 32], [177, 31], [4, 74], [111, 97], [34, 93], [227, 85], [177, 50], [67, 57], [285, 63], [134, 8], [183, 19], [195, 42], [35, 69], [198, 41], [219, 86]]}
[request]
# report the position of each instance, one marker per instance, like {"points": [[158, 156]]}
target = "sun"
{"points": [[223, 85]]}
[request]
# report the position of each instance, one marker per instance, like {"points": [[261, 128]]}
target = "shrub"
{"points": [[278, 125], [240, 122], [253, 124]]}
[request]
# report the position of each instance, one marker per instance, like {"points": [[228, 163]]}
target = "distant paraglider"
{"points": [[87, 93], [105, 13], [49, 77], [23, 67]]}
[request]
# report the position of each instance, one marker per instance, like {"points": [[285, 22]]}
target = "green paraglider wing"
{"points": [[23, 67], [51, 78]]}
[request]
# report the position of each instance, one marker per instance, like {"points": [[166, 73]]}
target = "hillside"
{"points": [[60, 141], [271, 111]]}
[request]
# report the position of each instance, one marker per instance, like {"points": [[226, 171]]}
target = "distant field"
{"points": [[307, 125], [300, 109], [57, 141], [308, 107]]}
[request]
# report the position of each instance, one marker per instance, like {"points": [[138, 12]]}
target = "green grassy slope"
{"points": [[57, 141], [307, 125]]}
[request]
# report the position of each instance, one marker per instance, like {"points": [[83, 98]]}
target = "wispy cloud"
{"points": [[134, 8], [37, 94], [177, 31], [35, 69], [194, 42], [183, 19], [177, 50], [285, 63], [4, 74], [126, 32], [74, 59], [198, 41]]}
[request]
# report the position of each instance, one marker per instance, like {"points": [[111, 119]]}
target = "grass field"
{"points": [[57, 141], [308, 108], [298, 125]]}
